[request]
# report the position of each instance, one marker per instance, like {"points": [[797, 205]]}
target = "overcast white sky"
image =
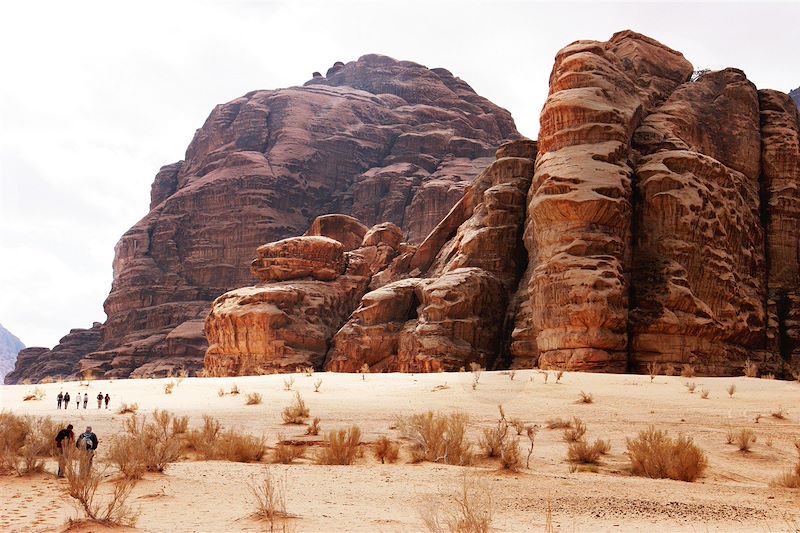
{"points": [[96, 96]]}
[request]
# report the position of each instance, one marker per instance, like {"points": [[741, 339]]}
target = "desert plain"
{"points": [[734, 494]]}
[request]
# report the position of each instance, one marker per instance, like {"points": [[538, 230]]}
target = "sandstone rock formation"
{"points": [[385, 140], [795, 94], [62, 360], [10, 346], [309, 286]]}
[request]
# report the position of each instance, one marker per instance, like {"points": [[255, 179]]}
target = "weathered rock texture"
{"points": [[10, 346], [795, 94], [61, 361], [646, 233], [385, 140]]}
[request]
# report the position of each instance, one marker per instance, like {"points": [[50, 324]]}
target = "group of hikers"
{"points": [[86, 444], [63, 398]]}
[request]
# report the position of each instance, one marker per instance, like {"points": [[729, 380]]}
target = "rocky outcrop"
{"points": [[10, 346], [385, 140], [62, 361], [287, 321], [439, 305], [795, 95]]}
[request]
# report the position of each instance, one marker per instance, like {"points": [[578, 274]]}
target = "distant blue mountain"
{"points": [[10, 346]]}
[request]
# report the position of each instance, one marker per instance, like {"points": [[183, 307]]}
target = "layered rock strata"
{"points": [[386, 140], [37, 363]]}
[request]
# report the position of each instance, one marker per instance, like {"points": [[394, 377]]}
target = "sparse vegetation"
{"points": [[704, 393], [234, 390], [270, 496], [750, 369], [296, 412], [690, 386], [438, 438], [657, 455], [146, 446], [253, 398], [168, 387], [531, 432], [512, 374], [340, 447], [468, 510], [731, 390], [744, 439], [288, 383], [559, 375], [791, 478], [585, 397], [317, 385], [768, 376], [126, 408], [25, 443], [309, 371], [476, 370], [653, 368], [386, 451], [780, 414], [688, 371], [581, 452], [558, 423], [287, 453], [37, 394], [669, 370], [575, 431], [313, 427], [212, 443]]}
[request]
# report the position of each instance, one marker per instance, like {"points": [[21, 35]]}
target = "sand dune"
{"points": [[734, 494]]}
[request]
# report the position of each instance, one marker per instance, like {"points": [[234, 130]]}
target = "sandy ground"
{"points": [[734, 494]]}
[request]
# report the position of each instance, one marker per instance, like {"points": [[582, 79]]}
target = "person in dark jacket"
{"points": [[60, 398], [99, 399], [66, 400], [87, 444], [63, 439], [108, 399]]}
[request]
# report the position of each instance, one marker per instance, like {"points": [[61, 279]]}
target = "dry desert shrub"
{"points": [[37, 394], [690, 386], [25, 443], [239, 448], [317, 385], [750, 369], [768, 376], [791, 478], [657, 455], [512, 374], [126, 408], [518, 425], [202, 440], [386, 451], [234, 389], [146, 446], [558, 423], [688, 371], [82, 484], [476, 370], [270, 495], [780, 414], [531, 432], [168, 387], [45, 380], [581, 452], [704, 393], [467, 510], [744, 439], [653, 368], [438, 438], [731, 390], [221, 392], [669, 370], [340, 447], [313, 427], [287, 453], [510, 456], [180, 425], [288, 383], [575, 431], [493, 438], [559, 375], [309, 371], [297, 412], [585, 397], [253, 398]]}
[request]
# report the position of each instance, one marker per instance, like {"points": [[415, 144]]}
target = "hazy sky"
{"points": [[96, 96]]}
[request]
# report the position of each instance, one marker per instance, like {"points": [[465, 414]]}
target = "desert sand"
{"points": [[733, 495]]}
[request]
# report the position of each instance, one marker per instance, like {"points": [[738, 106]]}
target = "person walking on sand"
{"points": [[87, 444], [99, 399], [66, 400], [85, 399], [78, 401], [60, 398], [108, 399], [63, 439]]}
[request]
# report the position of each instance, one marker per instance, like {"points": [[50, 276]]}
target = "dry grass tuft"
{"points": [[287, 453], [744, 439], [438, 438], [25, 443], [731, 390], [146, 446], [37, 394], [467, 510], [317, 385], [234, 389], [128, 409], [575, 431], [791, 478], [653, 368], [559, 375], [309, 371], [669, 370], [558, 423], [780, 414], [340, 447], [655, 454], [254, 398], [313, 427], [750, 369], [704, 393], [688, 371], [476, 370], [212, 443], [690, 386], [288, 383], [270, 495], [585, 397], [296, 412], [581, 452], [386, 451], [168, 387]]}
